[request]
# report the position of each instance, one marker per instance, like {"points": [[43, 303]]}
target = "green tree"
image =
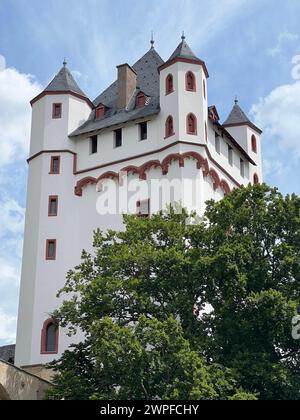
{"points": [[174, 310]]}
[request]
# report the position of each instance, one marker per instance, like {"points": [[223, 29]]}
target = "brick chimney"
{"points": [[127, 78]]}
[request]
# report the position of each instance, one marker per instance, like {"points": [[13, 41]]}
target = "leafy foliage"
{"points": [[172, 310]]}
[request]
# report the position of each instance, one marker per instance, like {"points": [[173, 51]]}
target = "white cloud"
{"points": [[282, 40], [16, 90], [9, 274], [2, 63], [12, 218], [273, 167], [278, 116], [8, 325]]}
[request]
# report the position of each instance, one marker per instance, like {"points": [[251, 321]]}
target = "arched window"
{"points": [[190, 81], [169, 127], [191, 124], [169, 84], [254, 144], [255, 179], [140, 100], [49, 339]]}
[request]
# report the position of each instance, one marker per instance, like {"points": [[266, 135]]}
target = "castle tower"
{"points": [[153, 124], [57, 111], [248, 136]]}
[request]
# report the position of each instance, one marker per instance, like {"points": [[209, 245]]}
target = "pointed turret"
{"points": [[237, 117], [184, 53], [63, 82]]}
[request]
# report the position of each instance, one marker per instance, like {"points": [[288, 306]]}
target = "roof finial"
{"points": [[236, 101], [65, 62], [152, 40], [183, 36]]}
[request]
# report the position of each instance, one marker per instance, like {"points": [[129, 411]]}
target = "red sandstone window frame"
{"points": [[44, 331], [254, 144], [190, 85], [169, 128], [52, 198], [255, 179], [56, 115], [52, 165], [48, 242], [139, 204], [193, 130], [169, 84]]}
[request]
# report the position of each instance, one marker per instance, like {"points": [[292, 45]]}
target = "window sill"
{"points": [[171, 135]]}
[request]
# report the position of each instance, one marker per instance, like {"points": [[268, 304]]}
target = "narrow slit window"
{"points": [[55, 165], [218, 144], [143, 131], [242, 168], [56, 111], [93, 145], [230, 155], [53, 206], [51, 249], [118, 137]]}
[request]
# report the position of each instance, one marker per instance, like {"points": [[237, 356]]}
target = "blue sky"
{"points": [[251, 48]]}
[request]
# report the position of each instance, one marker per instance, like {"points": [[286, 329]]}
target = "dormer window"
{"points": [[100, 111], [56, 111], [140, 100], [190, 82], [169, 84]]}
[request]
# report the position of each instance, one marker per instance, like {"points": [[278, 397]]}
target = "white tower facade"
{"points": [[150, 131]]}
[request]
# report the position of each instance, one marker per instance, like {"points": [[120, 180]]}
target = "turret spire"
{"points": [[152, 40]]}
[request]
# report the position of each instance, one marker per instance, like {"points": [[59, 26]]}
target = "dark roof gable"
{"points": [[64, 81]]}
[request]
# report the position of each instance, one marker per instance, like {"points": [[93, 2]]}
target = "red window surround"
{"points": [[51, 249], [44, 337], [143, 208], [254, 144], [55, 165], [140, 100], [169, 127], [56, 111], [169, 84], [53, 205], [100, 111], [255, 179], [191, 124], [190, 81]]}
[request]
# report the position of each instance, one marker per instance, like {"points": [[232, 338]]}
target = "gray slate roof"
{"points": [[237, 116], [147, 82], [64, 81], [183, 51], [7, 353]]}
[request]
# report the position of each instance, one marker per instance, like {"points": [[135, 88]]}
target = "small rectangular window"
{"points": [[242, 167], [51, 249], [143, 131], [143, 208], [93, 145], [55, 165], [56, 111], [118, 137], [218, 143], [53, 205], [230, 155]]}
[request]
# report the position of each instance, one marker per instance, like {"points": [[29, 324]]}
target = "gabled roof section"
{"points": [[147, 82], [238, 117], [184, 53], [63, 82]]}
